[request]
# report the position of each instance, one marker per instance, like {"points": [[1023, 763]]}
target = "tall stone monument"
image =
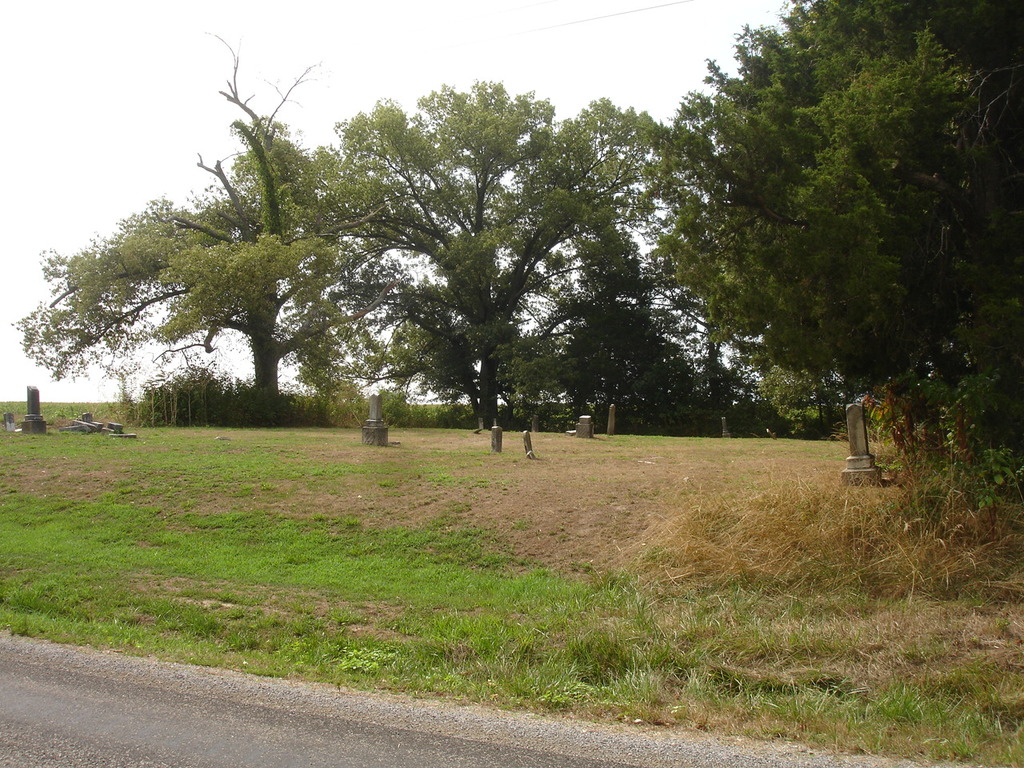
{"points": [[375, 431], [34, 422], [860, 464]]}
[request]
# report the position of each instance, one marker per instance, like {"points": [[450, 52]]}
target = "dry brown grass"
{"points": [[892, 541]]}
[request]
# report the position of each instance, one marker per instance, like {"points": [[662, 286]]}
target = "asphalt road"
{"points": [[65, 706]]}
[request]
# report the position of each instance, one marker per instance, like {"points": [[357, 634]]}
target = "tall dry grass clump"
{"points": [[922, 536]]}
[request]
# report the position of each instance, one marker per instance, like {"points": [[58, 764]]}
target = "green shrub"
{"points": [[202, 397]]}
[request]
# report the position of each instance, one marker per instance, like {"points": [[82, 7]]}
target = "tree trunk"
{"points": [[488, 390], [266, 358]]}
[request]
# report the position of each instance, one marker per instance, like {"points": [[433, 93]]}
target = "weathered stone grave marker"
{"points": [[87, 426], [585, 427], [860, 464], [375, 432], [34, 422], [528, 445], [611, 420], [725, 428], [495, 439], [9, 424], [535, 423]]}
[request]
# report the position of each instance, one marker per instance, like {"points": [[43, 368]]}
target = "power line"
{"points": [[528, 5], [606, 16], [491, 13]]}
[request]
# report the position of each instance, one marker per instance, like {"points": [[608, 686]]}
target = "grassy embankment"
{"points": [[733, 585]]}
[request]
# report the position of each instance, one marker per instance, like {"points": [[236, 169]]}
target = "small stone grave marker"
{"points": [[611, 420], [528, 445], [585, 427], [9, 424], [860, 464], [495, 439]]}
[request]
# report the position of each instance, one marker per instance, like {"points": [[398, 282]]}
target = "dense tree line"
{"points": [[852, 202], [841, 216]]}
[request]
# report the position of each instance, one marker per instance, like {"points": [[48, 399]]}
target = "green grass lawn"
{"points": [[302, 553]]}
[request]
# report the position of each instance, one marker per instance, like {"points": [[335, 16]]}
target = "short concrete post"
{"points": [[611, 420], [860, 464], [725, 428], [495, 439], [535, 423], [34, 422], [585, 427], [375, 432]]}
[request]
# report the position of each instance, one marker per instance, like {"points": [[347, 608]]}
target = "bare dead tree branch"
{"points": [[233, 94], [236, 201], [264, 126], [286, 96]]}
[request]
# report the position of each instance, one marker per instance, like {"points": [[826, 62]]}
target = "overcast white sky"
{"points": [[108, 103]]}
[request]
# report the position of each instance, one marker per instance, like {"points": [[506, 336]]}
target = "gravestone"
{"points": [[585, 427], [535, 423], [34, 422], [725, 428], [528, 445], [495, 439], [860, 464], [9, 424], [611, 420], [79, 428], [375, 432]]}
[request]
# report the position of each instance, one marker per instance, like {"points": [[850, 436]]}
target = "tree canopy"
{"points": [[259, 254], [852, 200], [494, 206]]}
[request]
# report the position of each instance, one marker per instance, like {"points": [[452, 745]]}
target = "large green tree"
{"points": [[493, 205], [260, 254], [852, 199]]}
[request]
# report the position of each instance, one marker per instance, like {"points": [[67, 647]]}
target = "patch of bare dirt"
{"points": [[582, 503]]}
